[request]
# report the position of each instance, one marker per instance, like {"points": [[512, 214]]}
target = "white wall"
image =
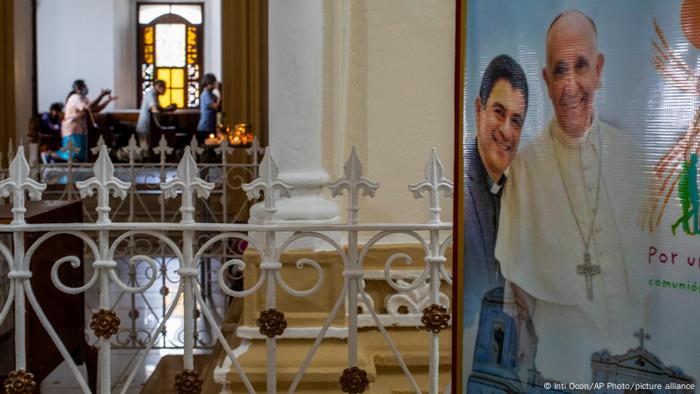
{"points": [[389, 90], [212, 37], [74, 40], [96, 40], [387, 87], [125, 75], [408, 77]]}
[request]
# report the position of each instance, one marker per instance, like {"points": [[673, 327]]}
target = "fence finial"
{"points": [[162, 149], [224, 147], [103, 181], [100, 141], [434, 182], [132, 150], [194, 147], [187, 182], [19, 182], [70, 149], [268, 183], [255, 147], [353, 182]]}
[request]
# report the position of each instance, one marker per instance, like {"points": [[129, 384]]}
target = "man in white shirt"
{"points": [[149, 106], [561, 242]]}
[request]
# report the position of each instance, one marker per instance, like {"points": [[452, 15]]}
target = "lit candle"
{"points": [[212, 140]]}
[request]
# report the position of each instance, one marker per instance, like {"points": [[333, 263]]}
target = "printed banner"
{"points": [[581, 266]]}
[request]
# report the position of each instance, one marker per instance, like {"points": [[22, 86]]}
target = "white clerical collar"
{"points": [[569, 141], [495, 187]]}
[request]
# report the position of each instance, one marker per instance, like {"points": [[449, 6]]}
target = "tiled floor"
{"points": [[61, 380], [150, 306]]}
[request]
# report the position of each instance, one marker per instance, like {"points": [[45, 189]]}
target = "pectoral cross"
{"points": [[588, 270]]}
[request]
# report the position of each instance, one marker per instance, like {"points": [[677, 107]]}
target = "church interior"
{"points": [[233, 195]]}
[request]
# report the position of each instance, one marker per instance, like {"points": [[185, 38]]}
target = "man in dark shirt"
{"points": [[500, 113], [50, 131]]}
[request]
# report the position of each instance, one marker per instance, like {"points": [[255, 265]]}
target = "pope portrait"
{"points": [[561, 242]]}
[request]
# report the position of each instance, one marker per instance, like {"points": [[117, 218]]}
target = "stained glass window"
{"points": [[170, 41], [170, 48]]}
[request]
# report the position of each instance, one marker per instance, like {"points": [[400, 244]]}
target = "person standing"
{"points": [[78, 108], [209, 104], [149, 106]]}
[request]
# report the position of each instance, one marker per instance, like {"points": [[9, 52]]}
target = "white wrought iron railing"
{"points": [[143, 202], [145, 178], [103, 238]]}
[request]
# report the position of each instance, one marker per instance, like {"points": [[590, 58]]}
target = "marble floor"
{"points": [[61, 380], [140, 315]]}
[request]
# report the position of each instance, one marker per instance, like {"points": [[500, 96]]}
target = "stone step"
{"points": [[323, 374]]}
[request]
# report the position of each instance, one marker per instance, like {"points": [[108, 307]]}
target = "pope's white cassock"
{"points": [[555, 182]]}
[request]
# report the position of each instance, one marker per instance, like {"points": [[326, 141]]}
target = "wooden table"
{"points": [[64, 311]]}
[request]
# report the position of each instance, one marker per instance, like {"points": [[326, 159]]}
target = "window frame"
{"points": [[167, 18]]}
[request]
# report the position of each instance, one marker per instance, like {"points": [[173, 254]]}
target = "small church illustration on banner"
{"points": [[504, 356]]}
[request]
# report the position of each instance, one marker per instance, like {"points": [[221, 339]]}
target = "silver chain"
{"points": [[586, 241]]}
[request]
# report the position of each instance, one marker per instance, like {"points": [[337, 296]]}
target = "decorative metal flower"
{"points": [[188, 381], [20, 382], [435, 318], [354, 380], [271, 323], [105, 323]]}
